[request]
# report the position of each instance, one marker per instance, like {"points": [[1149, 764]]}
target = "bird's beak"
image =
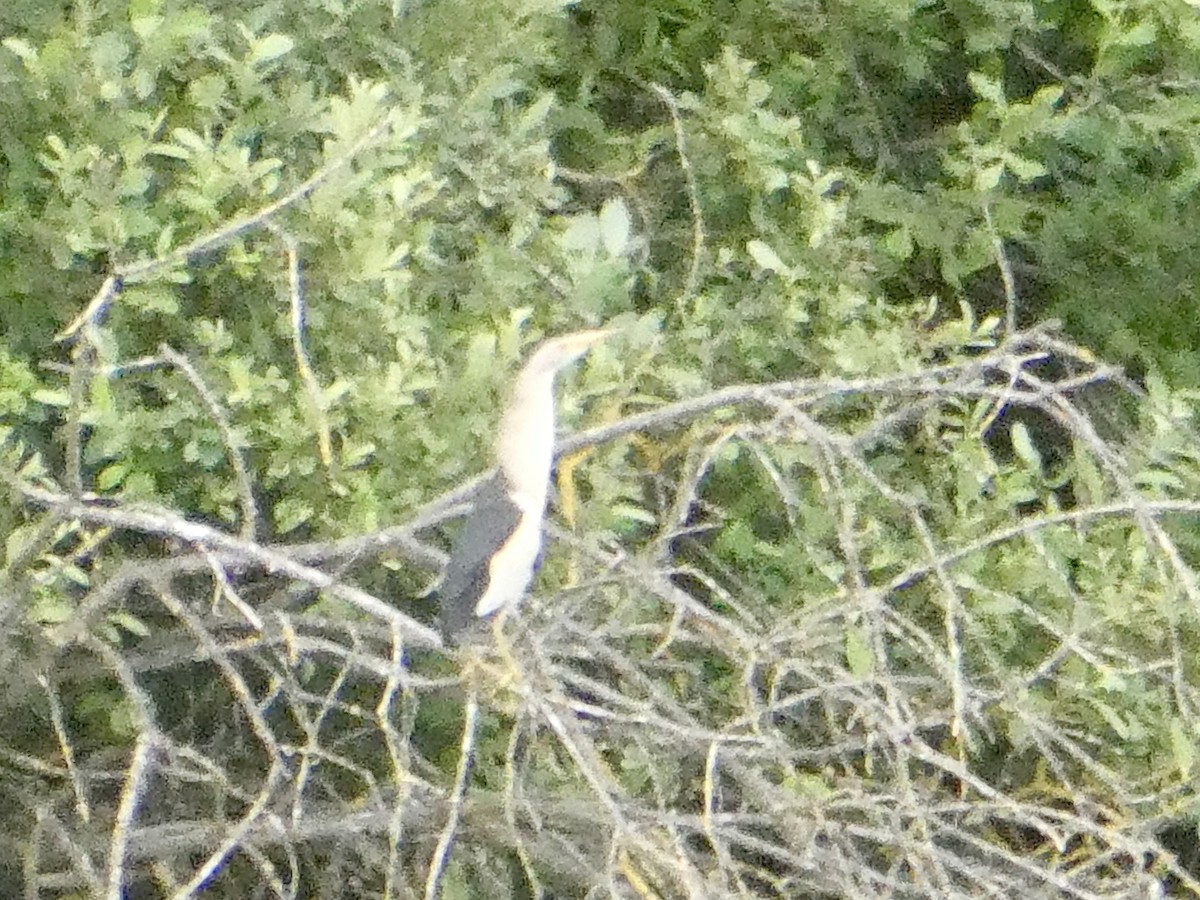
{"points": [[586, 340], [559, 352]]}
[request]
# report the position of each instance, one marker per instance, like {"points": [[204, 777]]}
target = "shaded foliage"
{"points": [[912, 611]]}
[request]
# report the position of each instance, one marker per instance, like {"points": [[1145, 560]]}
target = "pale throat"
{"points": [[525, 448]]}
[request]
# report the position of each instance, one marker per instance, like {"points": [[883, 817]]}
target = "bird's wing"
{"points": [[492, 520]]}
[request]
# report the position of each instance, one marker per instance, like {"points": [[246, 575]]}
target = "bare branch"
{"points": [[145, 269], [233, 446], [169, 525]]}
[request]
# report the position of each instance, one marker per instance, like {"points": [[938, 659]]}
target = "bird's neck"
{"points": [[525, 447]]}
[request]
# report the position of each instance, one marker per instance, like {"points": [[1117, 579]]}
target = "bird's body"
{"points": [[494, 517], [493, 559]]}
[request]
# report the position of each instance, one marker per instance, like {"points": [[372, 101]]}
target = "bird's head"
{"points": [[556, 353]]}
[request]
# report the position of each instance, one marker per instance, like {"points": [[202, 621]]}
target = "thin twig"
{"points": [[397, 748], [458, 795], [82, 807], [137, 773], [148, 268], [223, 587], [82, 359], [1006, 272], [308, 378], [167, 524], [235, 835], [248, 526], [689, 177]]}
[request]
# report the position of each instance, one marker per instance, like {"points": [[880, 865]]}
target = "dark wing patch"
{"points": [[492, 520]]}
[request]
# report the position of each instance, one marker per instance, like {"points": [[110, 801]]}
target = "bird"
{"points": [[493, 559]]}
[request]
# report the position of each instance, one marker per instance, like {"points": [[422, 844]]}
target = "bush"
{"points": [[863, 577]]}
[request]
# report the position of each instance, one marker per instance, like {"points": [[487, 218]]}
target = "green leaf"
{"points": [[101, 394], [1116, 721], [1023, 446], [291, 512], [1024, 169], [172, 150], [1183, 747], [765, 257], [123, 721], [738, 541], [859, 658], [632, 513], [60, 397], [988, 88], [111, 476], [144, 26], [208, 91], [614, 226], [18, 540], [988, 178], [22, 49], [157, 298], [128, 622], [582, 235], [51, 608], [269, 47], [808, 785], [1139, 35], [898, 243]]}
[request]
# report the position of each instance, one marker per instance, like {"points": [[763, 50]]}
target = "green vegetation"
{"points": [[891, 591]]}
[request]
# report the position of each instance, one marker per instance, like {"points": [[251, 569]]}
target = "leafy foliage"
{"points": [[911, 611]]}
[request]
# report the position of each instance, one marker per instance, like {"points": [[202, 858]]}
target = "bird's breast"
{"points": [[511, 568]]}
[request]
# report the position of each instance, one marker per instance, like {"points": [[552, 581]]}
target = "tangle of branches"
{"points": [[890, 684]]}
